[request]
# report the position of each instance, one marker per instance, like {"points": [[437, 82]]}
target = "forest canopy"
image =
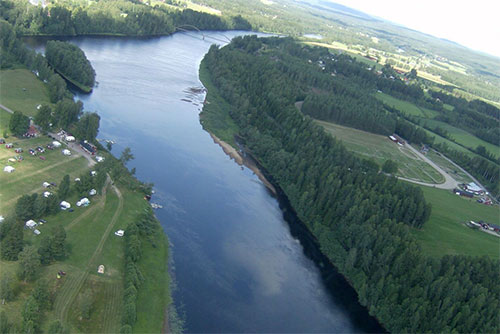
{"points": [[69, 60]]}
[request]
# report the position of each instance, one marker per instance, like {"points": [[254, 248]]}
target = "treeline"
{"points": [[71, 61], [136, 233], [477, 117], [361, 218], [121, 17]]}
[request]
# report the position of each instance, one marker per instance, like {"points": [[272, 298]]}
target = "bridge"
{"points": [[188, 28]]}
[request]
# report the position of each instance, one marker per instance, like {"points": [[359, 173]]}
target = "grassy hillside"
{"points": [[20, 90], [445, 232], [380, 148]]}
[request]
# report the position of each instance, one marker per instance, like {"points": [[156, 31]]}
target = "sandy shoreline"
{"points": [[240, 160]]}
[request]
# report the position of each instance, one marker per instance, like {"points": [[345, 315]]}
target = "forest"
{"points": [[360, 217], [69, 60], [116, 17]]}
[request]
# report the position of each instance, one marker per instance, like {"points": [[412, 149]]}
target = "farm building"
{"points": [[474, 188], [9, 169]]}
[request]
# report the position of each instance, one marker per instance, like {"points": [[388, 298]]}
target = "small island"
{"points": [[71, 63]]}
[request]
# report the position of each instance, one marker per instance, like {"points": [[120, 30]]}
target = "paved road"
{"points": [[449, 182], [6, 109]]}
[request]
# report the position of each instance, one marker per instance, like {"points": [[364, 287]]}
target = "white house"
{"points": [[64, 205], [31, 224], [9, 169]]}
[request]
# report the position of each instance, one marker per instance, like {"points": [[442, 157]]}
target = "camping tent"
{"points": [[55, 143], [92, 192], [30, 223], [66, 152], [84, 201], [9, 169], [70, 138], [47, 194], [37, 231], [46, 184]]}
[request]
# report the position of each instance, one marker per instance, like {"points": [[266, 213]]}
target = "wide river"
{"points": [[237, 266]]}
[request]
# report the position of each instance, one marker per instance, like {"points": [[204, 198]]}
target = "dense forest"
{"points": [[360, 217], [119, 17], [69, 60]]}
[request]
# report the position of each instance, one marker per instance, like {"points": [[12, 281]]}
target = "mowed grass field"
{"points": [[463, 137], [405, 106], [448, 167], [21, 90], [381, 148], [445, 232]]}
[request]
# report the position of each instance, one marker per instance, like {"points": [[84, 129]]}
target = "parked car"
{"points": [[50, 146], [40, 149], [42, 158], [32, 151]]}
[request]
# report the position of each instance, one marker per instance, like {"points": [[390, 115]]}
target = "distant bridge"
{"points": [[189, 28]]}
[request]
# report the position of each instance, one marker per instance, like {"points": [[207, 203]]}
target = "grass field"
{"points": [[4, 123], [405, 106], [445, 232], [380, 148], [448, 167], [463, 137], [20, 90]]}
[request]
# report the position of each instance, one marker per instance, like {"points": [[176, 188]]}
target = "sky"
{"points": [[474, 24]]}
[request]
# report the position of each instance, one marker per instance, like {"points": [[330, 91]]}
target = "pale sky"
{"points": [[474, 24]]}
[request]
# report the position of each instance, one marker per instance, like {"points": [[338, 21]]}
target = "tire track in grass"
{"points": [[68, 300], [111, 317], [41, 170]]}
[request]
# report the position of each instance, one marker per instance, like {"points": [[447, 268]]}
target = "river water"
{"points": [[237, 265]]}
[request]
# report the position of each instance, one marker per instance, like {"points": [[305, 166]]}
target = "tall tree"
{"points": [[18, 123], [29, 263]]}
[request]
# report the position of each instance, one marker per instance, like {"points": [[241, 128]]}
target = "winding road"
{"points": [[449, 182]]}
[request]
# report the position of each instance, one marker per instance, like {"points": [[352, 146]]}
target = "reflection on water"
{"points": [[237, 266]]}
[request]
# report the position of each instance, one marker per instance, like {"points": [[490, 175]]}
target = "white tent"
{"points": [[84, 201], [9, 169], [30, 223], [46, 184], [99, 158], [2, 219], [66, 152], [64, 205], [37, 232], [120, 233], [92, 192], [47, 194], [70, 138], [55, 143]]}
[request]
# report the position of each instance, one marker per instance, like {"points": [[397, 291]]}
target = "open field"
{"points": [[32, 171], [405, 106], [463, 137], [445, 232], [448, 167], [4, 123], [380, 148], [20, 90]]}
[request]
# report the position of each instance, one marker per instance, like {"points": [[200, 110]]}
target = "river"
{"points": [[237, 264]]}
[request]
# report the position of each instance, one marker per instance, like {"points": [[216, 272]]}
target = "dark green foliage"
{"points": [[390, 167], [4, 323], [29, 263], [67, 112], [57, 88], [58, 244], [42, 295], [12, 240], [43, 117], [18, 123], [87, 127], [126, 155], [56, 328], [71, 61], [129, 314], [361, 218], [126, 329], [45, 250], [6, 289], [25, 207], [64, 187], [31, 315]]}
